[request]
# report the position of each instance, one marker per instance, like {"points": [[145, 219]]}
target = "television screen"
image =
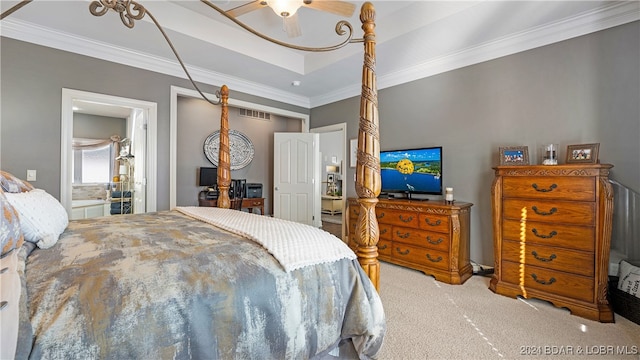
{"points": [[417, 171], [208, 176]]}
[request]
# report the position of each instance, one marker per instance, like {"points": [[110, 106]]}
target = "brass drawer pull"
{"points": [[383, 231], [551, 234], [553, 186], [405, 220], [551, 212], [382, 247], [438, 222], [380, 216], [438, 259], [551, 281], [403, 236], [402, 252], [436, 242], [550, 258]]}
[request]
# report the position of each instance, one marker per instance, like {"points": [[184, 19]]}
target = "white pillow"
{"points": [[629, 280], [42, 217]]}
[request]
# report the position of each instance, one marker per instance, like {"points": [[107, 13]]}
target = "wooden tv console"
{"points": [[431, 236]]}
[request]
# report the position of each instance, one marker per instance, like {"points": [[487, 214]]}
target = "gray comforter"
{"points": [[165, 286]]}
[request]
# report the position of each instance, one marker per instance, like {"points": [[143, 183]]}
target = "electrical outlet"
{"points": [[31, 175]]}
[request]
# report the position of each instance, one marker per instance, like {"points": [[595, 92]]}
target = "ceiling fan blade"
{"points": [[337, 7], [248, 7], [292, 25]]}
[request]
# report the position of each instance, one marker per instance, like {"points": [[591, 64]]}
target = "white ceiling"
{"points": [[415, 39]]}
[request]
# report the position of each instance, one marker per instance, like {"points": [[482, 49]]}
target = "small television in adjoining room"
{"points": [[411, 171], [208, 177]]}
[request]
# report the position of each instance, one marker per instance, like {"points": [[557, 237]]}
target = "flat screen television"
{"points": [[411, 171], [208, 177]]}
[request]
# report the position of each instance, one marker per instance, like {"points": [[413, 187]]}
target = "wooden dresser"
{"points": [[552, 231], [429, 236]]}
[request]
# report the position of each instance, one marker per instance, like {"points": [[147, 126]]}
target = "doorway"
{"points": [[333, 143], [145, 115]]}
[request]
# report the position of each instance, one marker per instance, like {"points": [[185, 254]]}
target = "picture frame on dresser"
{"points": [[514, 155], [583, 153]]}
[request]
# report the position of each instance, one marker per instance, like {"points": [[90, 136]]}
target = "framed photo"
{"points": [[353, 151], [583, 153], [514, 155]]}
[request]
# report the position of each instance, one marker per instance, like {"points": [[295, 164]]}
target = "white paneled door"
{"points": [[297, 177]]}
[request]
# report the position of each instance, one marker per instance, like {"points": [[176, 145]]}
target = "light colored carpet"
{"points": [[427, 319]]}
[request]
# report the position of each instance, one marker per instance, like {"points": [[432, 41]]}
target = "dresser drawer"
{"points": [[397, 217], [543, 187], [566, 236], [428, 239], [384, 247], [567, 212], [416, 255], [431, 222], [554, 282], [576, 262]]}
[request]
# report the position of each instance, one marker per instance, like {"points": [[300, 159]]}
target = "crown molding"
{"points": [[583, 24], [32, 33], [609, 16]]}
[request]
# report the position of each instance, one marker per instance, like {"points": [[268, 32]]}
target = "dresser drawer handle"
{"points": [[551, 281], [380, 216], [436, 242], [553, 186], [550, 258], [382, 247], [406, 252], [551, 234], [3, 304], [4, 270], [405, 220], [438, 259], [383, 231], [438, 222], [551, 212], [402, 236]]}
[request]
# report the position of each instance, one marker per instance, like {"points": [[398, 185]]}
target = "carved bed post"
{"points": [[224, 160], [368, 164]]}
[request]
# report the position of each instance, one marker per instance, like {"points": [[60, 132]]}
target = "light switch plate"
{"points": [[31, 175]]}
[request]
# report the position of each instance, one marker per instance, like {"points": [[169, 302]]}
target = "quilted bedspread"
{"points": [[167, 286]]}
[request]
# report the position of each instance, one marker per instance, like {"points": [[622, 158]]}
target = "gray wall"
{"points": [[31, 101], [583, 90], [98, 127]]}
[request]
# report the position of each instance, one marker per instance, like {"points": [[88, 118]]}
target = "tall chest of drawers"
{"points": [[430, 236], [552, 232]]}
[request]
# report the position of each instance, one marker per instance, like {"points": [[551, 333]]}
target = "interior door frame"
{"points": [[177, 91], [66, 141], [343, 173]]}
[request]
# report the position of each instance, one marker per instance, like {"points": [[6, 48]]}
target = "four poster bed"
{"points": [[194, 282]]}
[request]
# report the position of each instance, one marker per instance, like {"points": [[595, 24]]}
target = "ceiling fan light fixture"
{"points": [[284, 8]]}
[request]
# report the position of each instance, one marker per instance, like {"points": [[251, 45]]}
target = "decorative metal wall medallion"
{"points": [[241, 149]]}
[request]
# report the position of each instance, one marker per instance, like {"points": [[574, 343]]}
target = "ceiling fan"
{"points": [[287, 10]]}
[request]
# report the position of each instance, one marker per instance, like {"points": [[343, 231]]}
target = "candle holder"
{"points": [[448, 195], [549, 154]]}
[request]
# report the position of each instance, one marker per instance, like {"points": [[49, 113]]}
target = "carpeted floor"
{"points": [[333, 228], [427, 319]]}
